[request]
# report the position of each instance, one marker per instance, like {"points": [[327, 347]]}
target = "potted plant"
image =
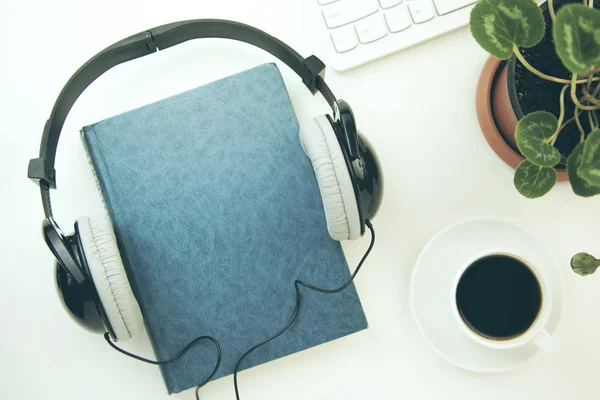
{"points": [[540, 109]]}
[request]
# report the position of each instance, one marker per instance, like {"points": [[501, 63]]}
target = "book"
{"points": [[217, 211]]}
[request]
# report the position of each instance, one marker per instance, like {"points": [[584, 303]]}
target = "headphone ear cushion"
{"points": [[108, 274], [339, 201]]}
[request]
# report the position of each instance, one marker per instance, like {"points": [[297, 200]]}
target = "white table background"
{"points": [[418, 109]]}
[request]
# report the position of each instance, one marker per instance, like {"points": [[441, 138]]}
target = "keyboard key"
{"points": [[343, 12], [447, 6], [421, 10], [397, 19], [370, 29], [344, 39], [390, 3], [323, 2]]}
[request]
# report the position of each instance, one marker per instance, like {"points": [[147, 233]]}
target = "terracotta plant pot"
{"points": [[496, 115]]}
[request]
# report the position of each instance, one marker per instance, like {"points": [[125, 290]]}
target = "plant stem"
{"points": [[561, 116], [581, 131], [596, 90], [595, 118], [535, 71], [589, 81], [588, 97], [542, 75], [551, 9], [574, 95], [567, 122]]}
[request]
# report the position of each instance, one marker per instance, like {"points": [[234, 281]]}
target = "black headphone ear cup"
{"points": [[337, 192], [79, 300], [368, 176], [99, 247]]}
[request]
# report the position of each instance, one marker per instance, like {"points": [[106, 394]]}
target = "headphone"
{"points": [[90, 275]]}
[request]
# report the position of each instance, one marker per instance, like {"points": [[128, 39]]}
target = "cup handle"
{"points": [[545, 341]]}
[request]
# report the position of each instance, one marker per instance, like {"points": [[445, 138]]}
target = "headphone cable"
{"points": [[297, 284], [175, 357]]}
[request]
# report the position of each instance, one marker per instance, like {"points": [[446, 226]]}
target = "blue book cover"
{"points": [[217, 211]]}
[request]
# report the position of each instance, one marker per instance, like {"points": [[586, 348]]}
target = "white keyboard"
{"points": [[365, 30]]}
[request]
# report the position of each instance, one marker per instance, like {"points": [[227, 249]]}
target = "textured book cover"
{"points": [[217, 211]]}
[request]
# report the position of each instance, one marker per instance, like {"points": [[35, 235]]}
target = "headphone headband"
{"points": [[41, 169]]}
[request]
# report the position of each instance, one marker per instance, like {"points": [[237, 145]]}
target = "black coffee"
{"points": [[498, 297]]}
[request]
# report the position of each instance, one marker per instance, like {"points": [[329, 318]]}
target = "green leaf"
{"points": [[533, 133], [584, 264], [577, 37], [580, 186], [589, 169], [498, 24], [533, 181]]}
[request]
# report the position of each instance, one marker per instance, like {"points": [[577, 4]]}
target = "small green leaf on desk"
{"points": [[584, 264], [533, 181], [576, 34], [497, 25], [589, 169], [579, 185], [533, 134]]}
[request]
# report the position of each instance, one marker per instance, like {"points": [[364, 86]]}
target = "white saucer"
{"points": [[431, 286]]}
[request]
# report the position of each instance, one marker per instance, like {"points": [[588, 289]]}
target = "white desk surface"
{"points": [[418, 109]]}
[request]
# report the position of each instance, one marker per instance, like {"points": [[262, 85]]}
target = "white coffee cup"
{"points": [[536, 333]]}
